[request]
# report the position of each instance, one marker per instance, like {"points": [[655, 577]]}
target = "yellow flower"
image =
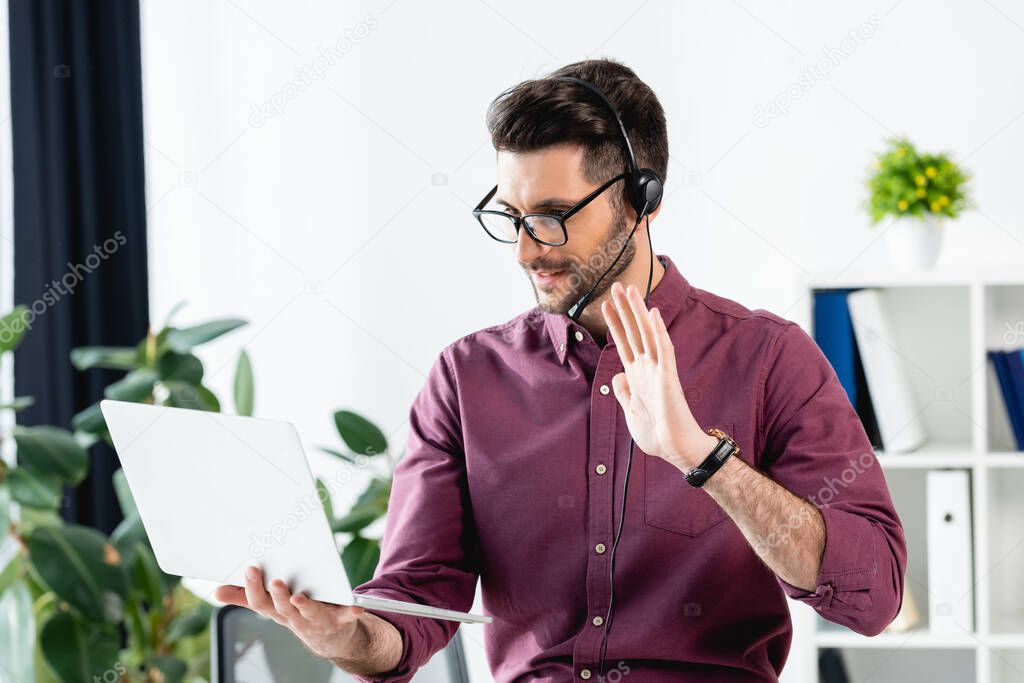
{"points": [[920, 192], [920, 180], [901, 151], [902, 205], [943, 200], [936, 206], [931, 172]]}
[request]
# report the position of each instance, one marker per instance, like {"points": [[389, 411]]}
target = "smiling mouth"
{"points": [[546, 278]]}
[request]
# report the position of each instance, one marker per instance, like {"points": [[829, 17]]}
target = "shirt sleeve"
{"points": [[816, 447], [428, 552]]}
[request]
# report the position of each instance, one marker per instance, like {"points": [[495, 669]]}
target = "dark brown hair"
{"points": [[544, 112]]}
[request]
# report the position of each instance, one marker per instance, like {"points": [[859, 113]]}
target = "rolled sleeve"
{"points": [[815, 446], [429, 549]]}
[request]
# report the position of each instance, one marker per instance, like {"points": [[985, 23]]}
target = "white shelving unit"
{"points": [[943, 323]]}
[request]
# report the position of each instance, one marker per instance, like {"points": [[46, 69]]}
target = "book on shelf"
{"points": [[853, 331], [1008, 413]]}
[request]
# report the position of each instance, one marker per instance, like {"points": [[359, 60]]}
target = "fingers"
{"points": [[281, 597], [257, 597], [321, 612], [231, 595], [309, 608], [666, 351], [611, 317], [643, 320], [628, 319]]}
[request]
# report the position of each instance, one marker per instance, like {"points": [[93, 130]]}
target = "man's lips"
{"points": [[546, 278]]}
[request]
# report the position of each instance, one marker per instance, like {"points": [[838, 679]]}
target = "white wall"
{"points": [[325, 226]]}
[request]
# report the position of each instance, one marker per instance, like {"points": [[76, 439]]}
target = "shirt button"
{"points": [[585, 674], [601, 469], [598, 621], [604, 389], [599, 548], [578, 335]]}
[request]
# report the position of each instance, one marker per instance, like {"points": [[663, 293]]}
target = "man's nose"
{"points": [[527, 248]]}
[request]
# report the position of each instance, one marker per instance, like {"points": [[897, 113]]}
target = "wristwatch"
{"points": [[726, 446]]}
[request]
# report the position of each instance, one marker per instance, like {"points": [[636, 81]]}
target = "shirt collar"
{"points": [[667, 296]]}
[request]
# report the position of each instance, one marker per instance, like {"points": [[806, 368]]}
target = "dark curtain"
{"points": [[79, 210]]}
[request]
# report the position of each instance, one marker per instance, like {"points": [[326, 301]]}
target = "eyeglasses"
{"points": [[546, 228]]}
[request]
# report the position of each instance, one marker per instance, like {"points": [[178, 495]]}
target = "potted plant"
{"points": [[76, 605], [920, 192]]}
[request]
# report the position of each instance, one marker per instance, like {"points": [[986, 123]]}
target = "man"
{"points": [[517, 454]]}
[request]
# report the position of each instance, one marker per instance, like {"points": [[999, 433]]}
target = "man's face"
{"points": [[550, 181]]}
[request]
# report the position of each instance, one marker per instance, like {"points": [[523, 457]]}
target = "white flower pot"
{"points": [[914, 243]]}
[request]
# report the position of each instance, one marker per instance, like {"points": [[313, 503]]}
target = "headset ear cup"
{"points": [[648, 191]]}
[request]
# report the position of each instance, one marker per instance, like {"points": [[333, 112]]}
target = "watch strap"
{"points": [[725, 448]]}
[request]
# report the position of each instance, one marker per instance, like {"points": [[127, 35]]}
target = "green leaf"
{"points": [[37, 517], [109, 357], [359, 434], [124, 495], [82, 568], [194, 397], [244, 388], [180, 366], [81, 651], [12, 329], [337, 454], [360, 558], [376, 495], [135, 387], [5, 513], [356, 520], [128, 538], [19, 403], [324, 494], [173, 669], [49, 450], [191, 622], [34, 490], [146, 577], [90, 421], [184, 340], [11, 574], [127, 534]]}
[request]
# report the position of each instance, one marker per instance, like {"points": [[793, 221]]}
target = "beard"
{"points": [[583, 276]]}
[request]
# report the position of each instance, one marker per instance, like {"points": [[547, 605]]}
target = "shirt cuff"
{"points": [[405, 623], [847, 565]]}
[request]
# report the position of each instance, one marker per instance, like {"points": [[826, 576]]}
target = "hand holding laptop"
{"points": [[344, 635]]}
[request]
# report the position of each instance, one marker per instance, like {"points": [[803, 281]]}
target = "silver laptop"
{"points": [[217, 493]]}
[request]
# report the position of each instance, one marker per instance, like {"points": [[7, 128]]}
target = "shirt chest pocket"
{"points": [[672, 504]]}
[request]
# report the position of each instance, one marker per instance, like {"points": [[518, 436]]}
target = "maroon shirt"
{"points": [[513, 473]]}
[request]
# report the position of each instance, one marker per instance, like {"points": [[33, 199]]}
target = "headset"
{"points": [[644, 189]]}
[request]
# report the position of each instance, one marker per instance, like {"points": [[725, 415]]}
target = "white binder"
{"points": [[950, 552]]}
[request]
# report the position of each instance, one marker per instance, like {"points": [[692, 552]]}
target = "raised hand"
{"points": [[649, 390]]}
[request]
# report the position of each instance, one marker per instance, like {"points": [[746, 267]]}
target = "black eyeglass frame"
{"points": [[520, 221]]}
